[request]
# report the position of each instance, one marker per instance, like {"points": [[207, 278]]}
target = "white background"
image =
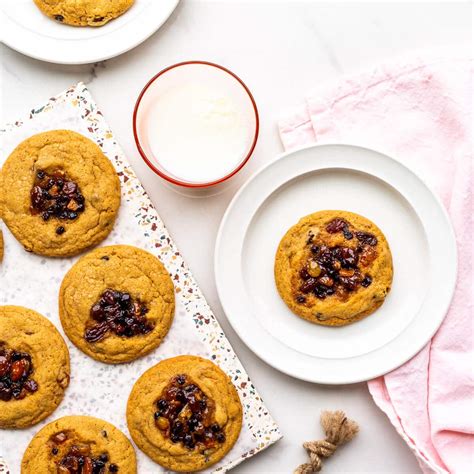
{"points": [[281, 50]]}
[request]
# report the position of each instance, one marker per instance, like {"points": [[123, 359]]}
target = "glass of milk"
{"points": [[196, 124]]}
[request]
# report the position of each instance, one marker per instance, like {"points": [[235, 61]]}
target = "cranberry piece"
{"points": [[336, 225]]}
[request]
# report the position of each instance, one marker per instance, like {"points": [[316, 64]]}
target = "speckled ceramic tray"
{"points": [[98, 389]]}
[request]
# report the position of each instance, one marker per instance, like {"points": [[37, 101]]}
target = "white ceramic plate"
{"points": [[27, 30], [336, 177]]}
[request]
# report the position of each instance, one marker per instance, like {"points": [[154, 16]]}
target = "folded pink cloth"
{"points": [[420, 111]]}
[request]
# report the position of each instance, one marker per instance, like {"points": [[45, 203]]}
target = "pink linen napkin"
{"points": [[420, 111]]}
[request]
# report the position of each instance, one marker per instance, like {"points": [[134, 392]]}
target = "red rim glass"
{"points": [[177, 181]]}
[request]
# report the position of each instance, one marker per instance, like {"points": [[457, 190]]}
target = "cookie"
{"points": [[59, 194], [184, 413], [84, 12], [333, 268], [72, 441], [34, 367], [117, 303]]}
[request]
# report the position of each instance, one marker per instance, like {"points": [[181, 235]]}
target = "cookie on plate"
{"points": [[333, 268], [84, 12], [72, 441], [59, 194], [184, 413], [34, 367], [117, 303]]}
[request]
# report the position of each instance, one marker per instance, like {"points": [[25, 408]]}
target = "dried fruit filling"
{"points": [[16, 369], [337, 270], [54, 195], [118, 313], [77, 458], [186, 415]]}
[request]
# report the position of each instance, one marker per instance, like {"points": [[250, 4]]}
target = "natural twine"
{"points": [[339, 430]]}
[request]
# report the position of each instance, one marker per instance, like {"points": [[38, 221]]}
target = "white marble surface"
{"points": [[281, 50]]}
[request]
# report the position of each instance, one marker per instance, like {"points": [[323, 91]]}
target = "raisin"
{"points": [[304, 274], [367, 238], [96, 333], [347, 233], [336, 225], [366, 281], [309, 285]]}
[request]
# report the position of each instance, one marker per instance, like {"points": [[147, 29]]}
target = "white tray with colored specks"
{"points": [[33, 281]]}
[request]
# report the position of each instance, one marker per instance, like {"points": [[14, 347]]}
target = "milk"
{"points": [[198, 123]]}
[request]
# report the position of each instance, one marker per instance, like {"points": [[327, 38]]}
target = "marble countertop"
{"points": [[281, 50]]}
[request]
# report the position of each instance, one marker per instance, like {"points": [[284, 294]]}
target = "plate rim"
{"points": [[261, 354], [82, 60]]}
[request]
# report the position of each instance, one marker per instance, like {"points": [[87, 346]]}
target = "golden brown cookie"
{"points": [[333, 268], [117, 303], [34, 367], [59, 194], [62, 445], [184, 413], [84, 12]]}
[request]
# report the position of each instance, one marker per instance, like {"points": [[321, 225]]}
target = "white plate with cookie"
{"points": [[47, 33], [383, 335]]}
